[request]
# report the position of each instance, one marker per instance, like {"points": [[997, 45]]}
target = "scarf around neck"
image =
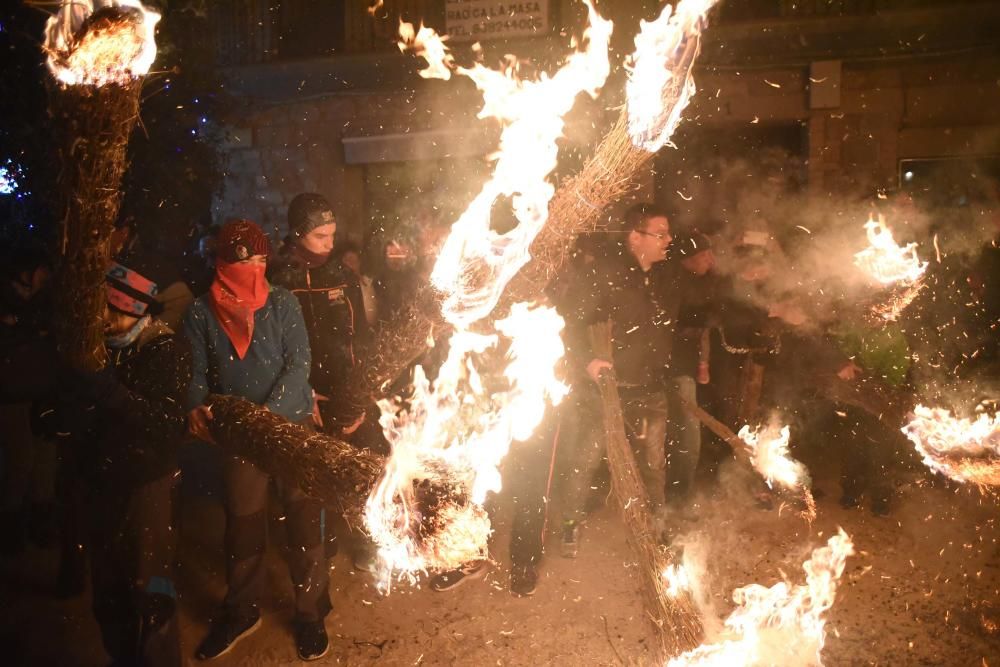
{"points": [[311, 259], [125, 339], [238, 291]]}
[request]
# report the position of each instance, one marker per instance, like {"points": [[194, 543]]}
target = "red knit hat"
{"points": [[239, 240]]}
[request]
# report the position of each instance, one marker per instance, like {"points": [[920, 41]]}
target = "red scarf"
{"points": [[238, 291]]}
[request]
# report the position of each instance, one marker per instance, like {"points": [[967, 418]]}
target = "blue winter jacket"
{"points": [[275, 371]]}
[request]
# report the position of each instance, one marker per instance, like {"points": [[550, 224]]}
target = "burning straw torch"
{"points": [[98, 53]]}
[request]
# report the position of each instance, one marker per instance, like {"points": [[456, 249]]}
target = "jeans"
{"points": [[683, 440], [645, 415]]}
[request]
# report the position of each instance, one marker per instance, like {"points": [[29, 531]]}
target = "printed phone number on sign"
{"points": [[527, 24], [465, 18]]}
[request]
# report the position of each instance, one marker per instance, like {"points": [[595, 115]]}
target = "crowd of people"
{"points": [[90, 459]]}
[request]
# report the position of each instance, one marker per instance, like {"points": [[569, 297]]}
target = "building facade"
{"points": [[856, 95]]}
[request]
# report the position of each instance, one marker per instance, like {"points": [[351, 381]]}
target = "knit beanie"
{"points": [[131, 293], [239, 240], [307, 212]]}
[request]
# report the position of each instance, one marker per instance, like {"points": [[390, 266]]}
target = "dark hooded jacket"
{"points": [[334, 312]]}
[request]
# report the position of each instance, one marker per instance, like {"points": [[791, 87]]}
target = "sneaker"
{"points": [[311, 640], [523, 580], [455, 578], [570, 545], [224, 635]]}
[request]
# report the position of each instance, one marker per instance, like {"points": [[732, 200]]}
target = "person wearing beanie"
{"points": [[334, 310], [126, 422], [333, 307], [248, 339]]}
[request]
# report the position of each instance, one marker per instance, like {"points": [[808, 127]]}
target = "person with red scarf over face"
{"points": [[248, 338]]}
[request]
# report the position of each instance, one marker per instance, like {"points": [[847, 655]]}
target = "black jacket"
{"points": [[642, 308], [334, 312], [138, 418]]}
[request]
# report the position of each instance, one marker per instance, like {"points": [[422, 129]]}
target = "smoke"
{"points": [[787, 245]]}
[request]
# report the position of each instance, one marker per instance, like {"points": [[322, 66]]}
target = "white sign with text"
{"points": [[474, 20]]}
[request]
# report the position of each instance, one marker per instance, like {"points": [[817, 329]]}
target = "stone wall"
{"points": [[888, 112]]}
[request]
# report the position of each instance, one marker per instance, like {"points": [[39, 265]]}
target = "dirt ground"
{"points": [[923, 589]]}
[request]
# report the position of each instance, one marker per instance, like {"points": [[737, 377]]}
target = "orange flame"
{"points": [[770, 457], [476, 263], [79, 54], [961, 449], [661, 82], [678, 579], [780, 625], [887, 262], [455, 434]]}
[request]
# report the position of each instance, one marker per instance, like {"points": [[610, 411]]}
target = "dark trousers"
{"points": [[683, 443], [645, 416], [246, 494], [528, 475], [866, 451], [133, 549]]}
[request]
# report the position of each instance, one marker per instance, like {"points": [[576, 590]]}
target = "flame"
{"points": [[887, 262], [476, 263], [770, 457], [678, 580], [661, 82], [960, 449], [427, 43], [780, 625], [89, 45], [454, 434]]}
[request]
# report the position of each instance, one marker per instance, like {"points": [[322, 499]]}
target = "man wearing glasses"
{"points": [[631, 286]]}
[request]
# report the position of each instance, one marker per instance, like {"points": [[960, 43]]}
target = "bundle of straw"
{"points": [[94, 105], [675, 617], [325, 468]]}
